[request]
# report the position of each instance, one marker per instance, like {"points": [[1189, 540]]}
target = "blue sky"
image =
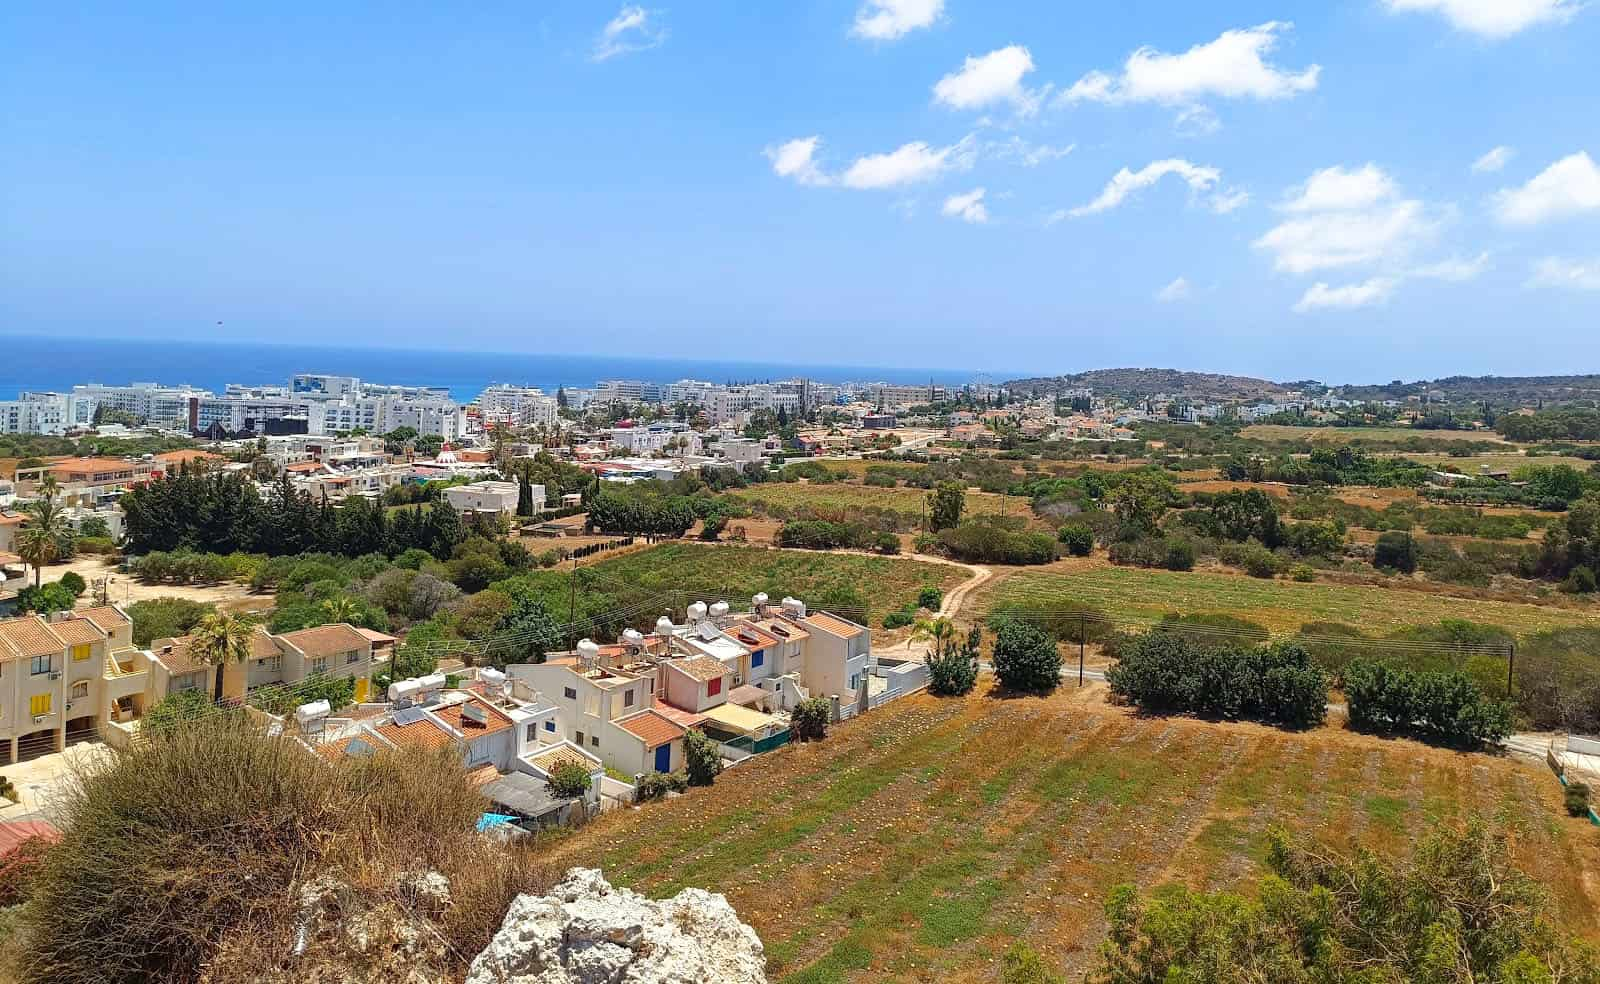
{"points": [[1310, 189]]}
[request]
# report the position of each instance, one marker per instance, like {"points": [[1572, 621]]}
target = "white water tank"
{"points": [[492, 678], [431, 682], [633, 638], [310, 716], [759, 602], [719, 610], [402, 690], [697, 611], [663, 626], [588, 652], [794, 606]]}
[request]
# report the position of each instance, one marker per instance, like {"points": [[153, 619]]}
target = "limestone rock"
{"points": [[587, 932]]}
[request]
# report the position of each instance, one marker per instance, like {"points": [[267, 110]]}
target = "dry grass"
{"points": [[1347, 435], [1280, 605], [183, 859], [840, 496], [919, 842]]}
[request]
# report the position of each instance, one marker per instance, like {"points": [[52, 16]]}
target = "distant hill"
{"points": [[1496, 389], [1136, 384]]}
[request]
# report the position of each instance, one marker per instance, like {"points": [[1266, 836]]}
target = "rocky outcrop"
{"points": [[587, 932]]}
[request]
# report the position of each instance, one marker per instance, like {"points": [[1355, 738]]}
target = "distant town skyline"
{"points": [[1381, 188]]}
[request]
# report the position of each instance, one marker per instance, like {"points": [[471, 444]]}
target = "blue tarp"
{"points": [[490, 820]]}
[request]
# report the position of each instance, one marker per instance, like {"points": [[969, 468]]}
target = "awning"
{"points": [[741, 720], [524, 795]]}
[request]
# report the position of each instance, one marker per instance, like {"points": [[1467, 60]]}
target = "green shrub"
{"points": [[1458, 911], [1446, 707], [809, 719], [569, 780], [702, 758], [1025, 658], [1180, 555], [886, 543], [900, 618], [1303, 573], [74, 582], [1078, 539], [1022, 965], [1164, 672], [930, 597], [164, 618], [656, 785], [1577, 799], [952, 667], [46, 598], [986, 541], [1396, 551], [99, 545]]}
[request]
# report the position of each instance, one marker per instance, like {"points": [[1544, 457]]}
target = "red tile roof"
{"points": [[106, 617], [687, 719], [27, 637], [78, 632], [327, 640], [454, 716], [652, 728], [834, 625]]}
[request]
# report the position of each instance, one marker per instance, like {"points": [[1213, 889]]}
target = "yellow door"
{"points": [[361, 690]]}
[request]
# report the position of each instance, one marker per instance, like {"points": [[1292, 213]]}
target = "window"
{"points": [[758, 658], [569, 693], [39, 704], [353, 656], [580, 739], [627, 698], [41, 664], [80, 653], [594, 742], [714, 687], [549, 726], [533, 731], [80, 690], [272, 663], [319, 665]]}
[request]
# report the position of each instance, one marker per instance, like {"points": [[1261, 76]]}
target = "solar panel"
{"points": [[409, 715]]}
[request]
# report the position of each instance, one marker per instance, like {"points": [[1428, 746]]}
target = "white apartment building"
{"points": [[491, 497], [654, 438], [37, 413], [520, 406]]}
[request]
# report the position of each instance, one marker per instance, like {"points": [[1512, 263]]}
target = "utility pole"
{"points": [[1511, 668], [572, 606], [1080, 650]]}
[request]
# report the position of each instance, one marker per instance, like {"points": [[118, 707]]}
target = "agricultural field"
{"points": [[736, 573], [1281, 606], [840, 497], [918, 842], [1370, 435]]}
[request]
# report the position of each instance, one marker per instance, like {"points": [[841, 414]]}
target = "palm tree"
{"points": [[340, 609], [218, 640], [39, 541], [49, 486]]}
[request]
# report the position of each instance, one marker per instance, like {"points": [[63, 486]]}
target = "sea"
{"points": [[39, 363]]}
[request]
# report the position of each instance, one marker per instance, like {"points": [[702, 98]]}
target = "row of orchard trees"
{"points": [[223, 513]]}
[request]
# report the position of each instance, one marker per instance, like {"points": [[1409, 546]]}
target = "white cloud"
{"points": [[1025, 153], [1564, 189], [1196, 121], [909, 164], [1125, 183], [890, 20], [1558, 273], [1229, 200], [1234, 66], [988, 80], [797, 160], [1493, 161], [968, 207], [1455, 270], [1492, 19], [1335, 188], [1375, 291], [1341, 218], [1176, 291], [633, 29]]}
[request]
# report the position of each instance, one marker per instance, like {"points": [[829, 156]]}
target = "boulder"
{"points": [[587, 932]]}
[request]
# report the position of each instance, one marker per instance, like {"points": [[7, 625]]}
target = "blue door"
{"points": [[664, 758]]}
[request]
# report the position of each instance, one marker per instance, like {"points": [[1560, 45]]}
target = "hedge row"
{"points": [[1167, 673]]}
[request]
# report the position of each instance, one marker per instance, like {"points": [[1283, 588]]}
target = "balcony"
{"points": [[124, 675]]}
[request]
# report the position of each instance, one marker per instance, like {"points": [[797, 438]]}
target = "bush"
{"points": [[900, 618], [1180, 556], [1396, 551], [1163, 672], [985, 541], [569, 780], [1078, 539], [100, 545], [886, 543], [702, 758], [1577, 799], [182, 856], [809, 719], [47, 598], [74, 582], [164, 618], [1025, 658], [930, 598], [18, 868], [1459, 910], [656, 785], [1446, 707], [1022, 965], [953, 668], [1303, 573]]}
